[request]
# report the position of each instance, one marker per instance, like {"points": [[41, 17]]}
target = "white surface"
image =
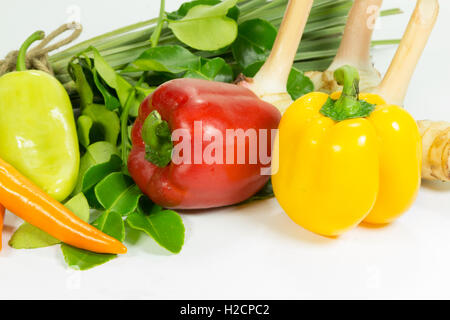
{"points": [[253, 251]]}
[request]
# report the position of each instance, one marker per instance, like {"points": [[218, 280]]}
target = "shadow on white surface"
{"points": [[269, 215]]}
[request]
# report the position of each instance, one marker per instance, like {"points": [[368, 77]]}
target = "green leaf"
{"points": [[84, 125], [254, 42], [173, 59], [265, 193], [111, 101], [164, 226], [83, 87], [118, 193], [141, 94], [106, 122], [28, 236], [363, 109], [100, 160], [111, 77], [348, 106], [97, 172], [206, 27], [185, 7], [110, 223], [79, 205], [215, 70], [298, 84], [82, 260]]}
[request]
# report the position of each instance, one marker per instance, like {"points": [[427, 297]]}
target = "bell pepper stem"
{"points": [[21, 59], [348, 77], [158, 140], [348, 106]]}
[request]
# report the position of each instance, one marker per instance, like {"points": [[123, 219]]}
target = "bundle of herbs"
{"points": [[241, 32]]}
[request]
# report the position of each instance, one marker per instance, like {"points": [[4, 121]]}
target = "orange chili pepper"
{"points": [[27, 201], [2, 217]]}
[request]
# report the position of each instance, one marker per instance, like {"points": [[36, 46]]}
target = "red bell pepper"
{"points": [[180, 103]]}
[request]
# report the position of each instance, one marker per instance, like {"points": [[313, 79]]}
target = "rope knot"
{"points": [[37, 58]]}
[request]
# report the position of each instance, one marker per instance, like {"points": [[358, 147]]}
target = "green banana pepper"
{"points": [[37, 127]]}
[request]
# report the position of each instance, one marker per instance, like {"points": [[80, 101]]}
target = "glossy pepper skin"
{"points": [[37, 130], [335, 174], [219, 107]]}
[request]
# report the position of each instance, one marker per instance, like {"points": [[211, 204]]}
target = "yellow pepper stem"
{"points": [[348, 106]]}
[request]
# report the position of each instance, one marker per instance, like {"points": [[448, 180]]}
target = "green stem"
{"points": [[348, 77], [161, 19], [124, 125], [348, 106], [21, 59], [157, 137], [385, 42]]}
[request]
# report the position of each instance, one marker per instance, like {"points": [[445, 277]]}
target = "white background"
{"points": [[252, 251]]}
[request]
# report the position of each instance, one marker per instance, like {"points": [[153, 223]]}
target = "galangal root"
{"points": [[436, 150]]}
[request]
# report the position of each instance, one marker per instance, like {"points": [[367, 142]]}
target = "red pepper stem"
{"points": [[21, 59], [158, 140]]}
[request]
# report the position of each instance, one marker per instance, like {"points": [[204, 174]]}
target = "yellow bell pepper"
{"points": [[345, 159]]}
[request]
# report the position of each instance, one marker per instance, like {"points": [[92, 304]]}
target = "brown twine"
{"points": [[37, 58]]}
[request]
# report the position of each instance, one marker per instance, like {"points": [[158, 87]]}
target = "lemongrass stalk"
{"points": [[315, 54], [318, 64], [267, 6], [398, 77], [327, 23], [390, 12], [393, 88], [94, 41], [324, 33], [386, 42], [355, 46], [354, 49], [121, 47], [271, 80]]}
